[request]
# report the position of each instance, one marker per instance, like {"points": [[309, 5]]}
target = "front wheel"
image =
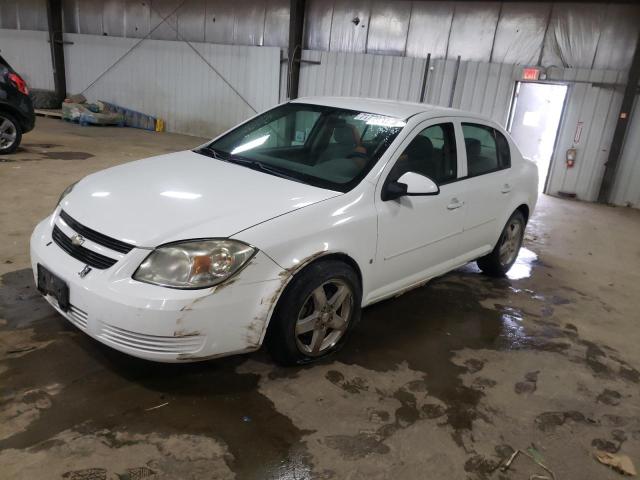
{"points": [[10, 134], [504, 255], [315, 314]]}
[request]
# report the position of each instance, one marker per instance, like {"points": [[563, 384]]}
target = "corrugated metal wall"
{"points": [[484, 88], [358, 75], [561, 34], [595, 109], [492, 38], [28, 52], [238, 22], [169, 80], [160, 78]]}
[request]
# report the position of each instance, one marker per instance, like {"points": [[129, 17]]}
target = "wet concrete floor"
{"points": [[441, 382]]}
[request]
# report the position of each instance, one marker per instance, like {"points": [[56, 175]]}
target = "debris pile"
{"points": [[77, 109]]}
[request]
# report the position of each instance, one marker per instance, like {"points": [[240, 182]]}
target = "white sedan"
{"points": [[281, 229]]}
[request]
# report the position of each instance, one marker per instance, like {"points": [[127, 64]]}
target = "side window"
{"points": [[482, 150], [431, 153], [504, 152]]}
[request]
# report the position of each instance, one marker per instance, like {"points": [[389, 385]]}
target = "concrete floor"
{"points": [[442, 382]]}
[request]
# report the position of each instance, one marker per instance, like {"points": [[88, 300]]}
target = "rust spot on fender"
{"points": [[186, 333], [305, 261], [189, 307], [285, 275], [254, 332]]}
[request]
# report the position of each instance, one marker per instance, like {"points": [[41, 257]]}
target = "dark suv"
{"points": [[16, 109]]}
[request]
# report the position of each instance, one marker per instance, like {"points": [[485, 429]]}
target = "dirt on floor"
{"points": [[444, 381]]}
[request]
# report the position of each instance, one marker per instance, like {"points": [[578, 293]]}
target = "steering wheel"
{"points": [[356, 154], [359, 158]]}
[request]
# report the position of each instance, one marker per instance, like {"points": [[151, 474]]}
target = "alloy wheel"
{"points": [[324, 317], [8, 133], [510, 242]]}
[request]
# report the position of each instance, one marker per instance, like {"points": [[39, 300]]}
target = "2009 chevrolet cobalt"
{"points": [[282, 229]]}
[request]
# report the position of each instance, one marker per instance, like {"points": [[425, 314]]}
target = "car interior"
{"points": [[476, 161], [334, 149], [421, 156]]}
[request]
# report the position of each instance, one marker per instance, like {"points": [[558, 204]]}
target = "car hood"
{"points": [[181, 196]]}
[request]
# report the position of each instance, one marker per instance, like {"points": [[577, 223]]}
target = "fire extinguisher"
{"points": [[571, 157]]}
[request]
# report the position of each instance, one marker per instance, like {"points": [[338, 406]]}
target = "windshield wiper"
{"points": [[257, 165], [209, 151]]}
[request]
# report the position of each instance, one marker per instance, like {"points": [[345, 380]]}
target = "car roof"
{"points": [[391, 108]]}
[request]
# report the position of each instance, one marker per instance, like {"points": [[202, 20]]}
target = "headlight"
{"points": [[194, 263], [66, 192]]}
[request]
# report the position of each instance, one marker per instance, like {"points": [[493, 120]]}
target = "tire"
{"points": [[292, 341], [496, 264], [10, 134]]}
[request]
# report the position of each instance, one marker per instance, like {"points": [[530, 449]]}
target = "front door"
{"points": [[419, 236]]}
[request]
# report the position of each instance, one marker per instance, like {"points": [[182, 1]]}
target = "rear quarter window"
{"points": [[487, 149], [504, 151]]}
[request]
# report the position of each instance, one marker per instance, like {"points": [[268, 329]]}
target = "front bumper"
{"points": [[157, 323]]}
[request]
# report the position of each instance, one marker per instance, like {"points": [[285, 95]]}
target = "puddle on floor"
{"points": [[102, 388], [426, 326], [66, 155], [523, 266]]}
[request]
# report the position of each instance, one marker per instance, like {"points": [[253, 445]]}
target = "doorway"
{"points": [[535, 116]]}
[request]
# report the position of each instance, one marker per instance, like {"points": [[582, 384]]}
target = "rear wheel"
{"points": [[315, 314], [505, 253], [10, 134]]}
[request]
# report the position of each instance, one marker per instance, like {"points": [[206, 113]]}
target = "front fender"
{"points": [[345, 225]]}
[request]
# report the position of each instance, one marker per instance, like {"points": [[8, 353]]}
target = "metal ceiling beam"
{"points": [[56, 43], [624, 118], [296, 27]]}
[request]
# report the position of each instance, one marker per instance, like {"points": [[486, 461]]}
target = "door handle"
{"points": [[455, 203], [506, 188]]}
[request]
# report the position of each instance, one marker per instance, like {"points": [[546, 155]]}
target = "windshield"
{"points": [[322, 146]]}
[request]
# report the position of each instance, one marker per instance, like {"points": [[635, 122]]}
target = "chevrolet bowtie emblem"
{"points": [[83, 273], [77, 240]]}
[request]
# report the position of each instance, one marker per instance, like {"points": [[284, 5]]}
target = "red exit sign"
{"points": [[530, 73]]}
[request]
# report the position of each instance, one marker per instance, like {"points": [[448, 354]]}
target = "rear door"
{"points": [[487, 185], [419, 236]]}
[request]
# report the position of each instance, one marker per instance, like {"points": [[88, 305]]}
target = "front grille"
{"points": [[151, 343], [94, 236], [78, 252]]}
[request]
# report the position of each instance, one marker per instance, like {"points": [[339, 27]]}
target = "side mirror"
{"points": [[394, 190], [419, 185], [410, 184]]}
